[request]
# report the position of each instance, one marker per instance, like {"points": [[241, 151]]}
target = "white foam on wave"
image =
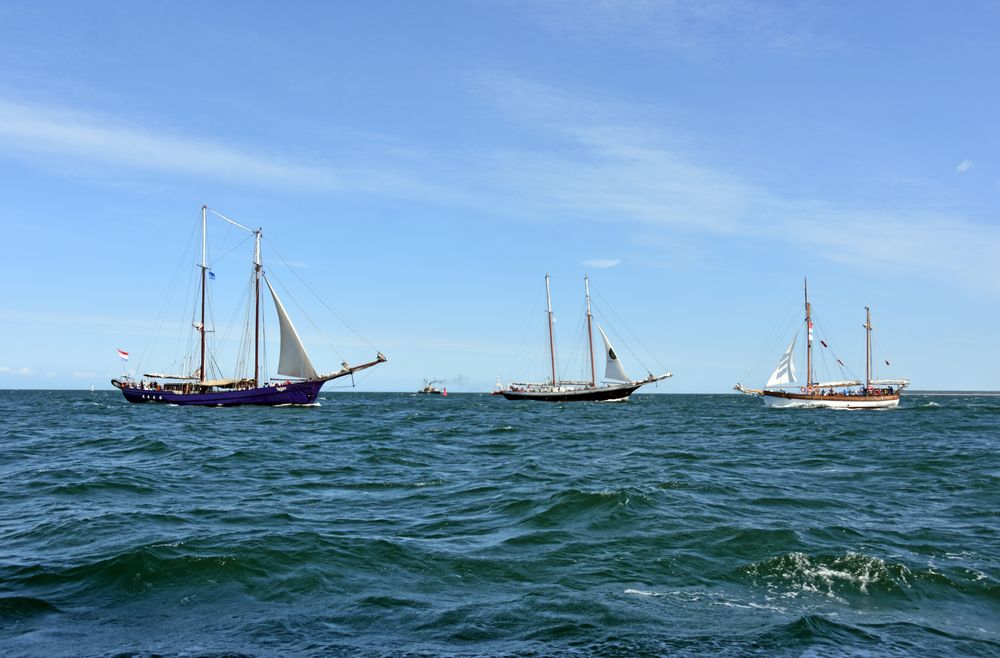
{"points": [[711, 598], [799, 573]]}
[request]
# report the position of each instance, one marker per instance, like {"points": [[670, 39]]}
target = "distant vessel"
{"points": [[430, 389], [847, 394], [301, 384], [616, 387]]}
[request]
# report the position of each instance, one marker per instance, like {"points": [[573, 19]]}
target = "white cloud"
{"points": [[602, 263], [596, 161], [25, 372], [611, 165], [692, 29], [964, 166], [67, 138]]}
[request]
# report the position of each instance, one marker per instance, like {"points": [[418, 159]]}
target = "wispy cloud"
{"points": [[69, 137], [602, 263], [24, 372], [692, 29], [610, 164], [592, 159], [964, 166]]}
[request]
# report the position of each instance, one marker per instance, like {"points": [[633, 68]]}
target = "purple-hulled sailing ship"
{"points": [[298, 383], [616, 387]]}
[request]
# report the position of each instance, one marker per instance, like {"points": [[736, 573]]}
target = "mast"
{"points": [[204, 269], [809, 335], [590, 333], [552, 344], [868, 347], [256, 302]]}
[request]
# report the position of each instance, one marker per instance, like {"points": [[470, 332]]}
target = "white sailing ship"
{"points": [[783, 389]]}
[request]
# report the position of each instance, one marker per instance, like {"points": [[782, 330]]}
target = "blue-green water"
{"points": [[391, 524]]}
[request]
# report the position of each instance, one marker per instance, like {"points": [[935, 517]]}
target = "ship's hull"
{"points": [[291, 393], [782, 399], [617, 393]]}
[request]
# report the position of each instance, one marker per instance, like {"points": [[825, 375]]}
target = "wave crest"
{"points": [[833, 576]]}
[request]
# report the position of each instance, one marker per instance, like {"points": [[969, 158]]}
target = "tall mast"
{"points": [[590, 333], [552, 344], [809, 335], [204, 270], [256, 303], [868, 347]]}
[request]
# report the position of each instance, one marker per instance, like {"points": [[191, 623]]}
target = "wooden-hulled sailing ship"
{"points": [[300, 383], [617, 386], [872, 393]]}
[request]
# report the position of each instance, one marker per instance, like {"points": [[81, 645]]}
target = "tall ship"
{"points": [[783, 390], [202, 382], [616, 385]]}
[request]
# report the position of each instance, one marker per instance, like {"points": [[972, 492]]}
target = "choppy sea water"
{"points": [[394, 524]]}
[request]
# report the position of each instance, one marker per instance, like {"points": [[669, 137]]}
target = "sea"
{"points": [[389, 524]]}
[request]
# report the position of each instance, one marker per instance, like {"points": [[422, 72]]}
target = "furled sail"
{"points": [[613, 370], [785, 372], [293, 362], [837, 384]]}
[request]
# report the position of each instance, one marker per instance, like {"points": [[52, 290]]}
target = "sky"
{"points": [[422, 166]]}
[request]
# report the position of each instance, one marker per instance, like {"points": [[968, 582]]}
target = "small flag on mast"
{"points": [[211, 275], [122, 354]]}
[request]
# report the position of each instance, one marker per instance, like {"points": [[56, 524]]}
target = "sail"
{"points": [[293, 362], [784, 373], [613, 369]]}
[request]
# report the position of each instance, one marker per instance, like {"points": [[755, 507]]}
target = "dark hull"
{"points": [[602, 394], [293, 393]]}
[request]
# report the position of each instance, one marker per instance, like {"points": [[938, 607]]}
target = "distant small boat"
{"points": [[301, 382], [617, 386], [430, 389], [843, 394]]}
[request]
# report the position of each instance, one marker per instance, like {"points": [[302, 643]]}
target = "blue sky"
{"points": [[423, 165]]}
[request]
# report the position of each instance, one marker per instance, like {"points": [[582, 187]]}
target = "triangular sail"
{"points": [[785, 372], [613, 370], [293, 362]]}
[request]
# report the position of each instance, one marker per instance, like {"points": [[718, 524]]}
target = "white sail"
{"points": [[784, 373], [891, 382], [613, 370], [837, 384], [293, 362]]}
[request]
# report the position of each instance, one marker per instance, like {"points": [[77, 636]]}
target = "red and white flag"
{"points": [[122, 354]]}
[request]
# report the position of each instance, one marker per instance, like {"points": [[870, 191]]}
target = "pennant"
{"points": [[122, 354], [211, 275]]}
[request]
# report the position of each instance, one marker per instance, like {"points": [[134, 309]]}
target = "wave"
{"points": [[844, 577], [575, 505], [836, 577], [20, 607]]}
